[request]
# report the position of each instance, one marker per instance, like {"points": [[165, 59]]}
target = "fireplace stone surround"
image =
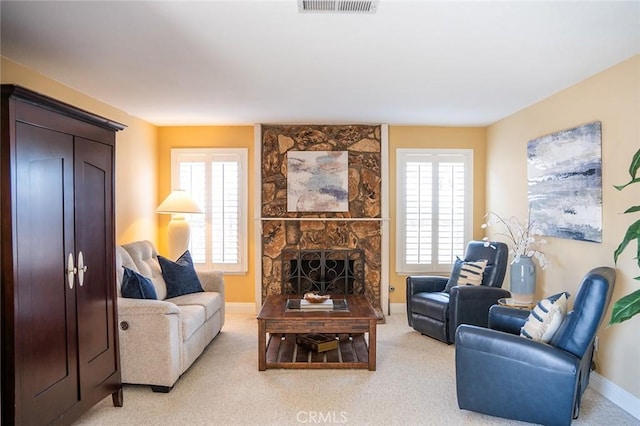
{"points": [[356, 229]]}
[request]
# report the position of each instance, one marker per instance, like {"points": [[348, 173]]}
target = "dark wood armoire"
{"points": [[59, 351]]}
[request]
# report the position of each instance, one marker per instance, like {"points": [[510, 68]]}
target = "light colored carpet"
{"points": [[414, 385]]}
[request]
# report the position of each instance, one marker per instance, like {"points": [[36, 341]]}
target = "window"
{"points": [[217, 180], [434, 208]]}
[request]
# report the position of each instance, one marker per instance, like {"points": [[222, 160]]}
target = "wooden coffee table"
{"points": [[278, 327]]}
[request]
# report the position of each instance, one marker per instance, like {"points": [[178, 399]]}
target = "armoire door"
{"points": [[95, 257], [45, 328]]}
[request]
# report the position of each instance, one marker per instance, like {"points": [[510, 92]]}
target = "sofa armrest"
{"points": [[127, 306], [213, 280], [509, 320], [150, 333]]}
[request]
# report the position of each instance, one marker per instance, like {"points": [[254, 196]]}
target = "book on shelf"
{"points": [[327, 305], [317, 342]]}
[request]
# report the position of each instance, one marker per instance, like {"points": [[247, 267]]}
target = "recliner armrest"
{"points": [[470, 305], [509, 320], [516, 349], [472, 292], [420, 283]]}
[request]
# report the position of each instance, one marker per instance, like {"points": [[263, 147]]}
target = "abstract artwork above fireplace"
{"points": [[317, 181]]}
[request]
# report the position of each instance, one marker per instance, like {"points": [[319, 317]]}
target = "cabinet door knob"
{"points": [[71, 270], [124, 325], [82, 268]]}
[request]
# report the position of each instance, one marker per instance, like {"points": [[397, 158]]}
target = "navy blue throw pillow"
{"points": [[180, 275], [136, 286], [455, 275]]}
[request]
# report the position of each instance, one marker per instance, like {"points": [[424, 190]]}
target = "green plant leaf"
{"points": [[635, 165], [625, 308], [621, 187], [633, 233], [632, 209]]}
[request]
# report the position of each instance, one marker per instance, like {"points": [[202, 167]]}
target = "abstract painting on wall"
{"points": [[565, 183], [317, 181]]}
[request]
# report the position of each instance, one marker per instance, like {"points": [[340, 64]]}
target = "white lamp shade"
{"points": [[178, 202]]}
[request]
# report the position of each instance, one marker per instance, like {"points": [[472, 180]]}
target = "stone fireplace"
{"points": [[357, 230]]}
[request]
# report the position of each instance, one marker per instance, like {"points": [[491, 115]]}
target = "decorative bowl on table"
{"points": [[316, 298]]}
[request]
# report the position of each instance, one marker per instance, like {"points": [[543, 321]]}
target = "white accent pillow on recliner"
{"points": [[545, 318]]}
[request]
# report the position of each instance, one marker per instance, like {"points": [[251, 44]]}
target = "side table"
{"points": [[512, 304]]}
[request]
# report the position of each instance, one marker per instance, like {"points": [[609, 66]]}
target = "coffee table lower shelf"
{"points": [[283, 352]]}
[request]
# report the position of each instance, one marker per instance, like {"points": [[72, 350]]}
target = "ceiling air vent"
{"points": [[337, 6]]}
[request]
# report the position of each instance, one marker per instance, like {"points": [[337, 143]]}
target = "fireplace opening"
{"points": [[323, 271]]}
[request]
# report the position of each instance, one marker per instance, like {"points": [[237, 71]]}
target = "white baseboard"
{"points": [[616, 394], [398, 308], [240, 308]]}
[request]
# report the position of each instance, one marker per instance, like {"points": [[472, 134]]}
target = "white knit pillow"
{"points": [[545, 318], [465, 273], [471, 272]]}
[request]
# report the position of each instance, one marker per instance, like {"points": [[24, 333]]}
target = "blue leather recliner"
{"points": [[436, 313], [502, 374]]}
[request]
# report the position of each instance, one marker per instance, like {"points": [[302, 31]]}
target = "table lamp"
{"points": [[177, 204]]}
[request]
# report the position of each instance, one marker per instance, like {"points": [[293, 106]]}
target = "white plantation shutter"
{"points": [[192, 179], [216, 178], [451, 211], [433, 207], [419, 212], [224, 211]]}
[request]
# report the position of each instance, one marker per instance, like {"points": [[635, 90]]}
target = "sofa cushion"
{"points": [[180, 276], [192, 317], [432, 305], [210, 301], [136, 286], [466, 273], [545, 318]]}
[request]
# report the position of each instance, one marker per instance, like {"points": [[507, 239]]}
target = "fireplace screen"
{"points": [[323, 271]]}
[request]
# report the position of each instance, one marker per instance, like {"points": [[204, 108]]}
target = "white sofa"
{"points": [[160, 339]]}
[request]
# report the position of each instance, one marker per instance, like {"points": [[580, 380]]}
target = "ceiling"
{"points": [[243, 62]]}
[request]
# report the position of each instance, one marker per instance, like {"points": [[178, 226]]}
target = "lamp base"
{"points": [[179, 236]]}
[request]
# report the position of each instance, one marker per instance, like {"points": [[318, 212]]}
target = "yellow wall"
{"points": [[612, 97], [238, 288], [136, 152], [434, 137]]}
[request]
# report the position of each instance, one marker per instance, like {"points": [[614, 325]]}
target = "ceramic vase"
{"points": [[522, 281]]}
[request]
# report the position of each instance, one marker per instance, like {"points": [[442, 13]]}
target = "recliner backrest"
{"points": [[579, 327], [497, 256]]}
